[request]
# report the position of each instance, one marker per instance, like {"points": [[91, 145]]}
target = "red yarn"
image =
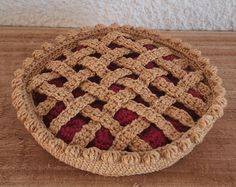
{"points": [[61, 58], [139, 99], [195, 93], [38, 97], [125, 116], [95, 79], [154, 136], [114, 45], [78, 92], [171, 78], [78, 48], [188, 110], [103, 139], [170, 57], [116, 87], [96, 55], [113, 66], [151, 65], [149, 46], [98, 104], [132, 55], [68, 130], [78, 67], [177, 125], [53, 113], [58, 81]]}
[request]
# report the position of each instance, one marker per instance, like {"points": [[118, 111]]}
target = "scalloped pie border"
{"points": [[115, 163]]}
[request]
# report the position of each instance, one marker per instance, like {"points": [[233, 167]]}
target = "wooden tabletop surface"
{"points": [[24, 162]]}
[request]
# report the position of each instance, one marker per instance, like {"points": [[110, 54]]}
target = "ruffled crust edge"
{"points": [[116, 163]]}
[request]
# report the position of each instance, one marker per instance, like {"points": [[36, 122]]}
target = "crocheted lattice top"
{"points": [[119, 92]]}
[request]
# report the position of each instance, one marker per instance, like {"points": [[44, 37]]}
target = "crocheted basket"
{"points": [[118, 100]]}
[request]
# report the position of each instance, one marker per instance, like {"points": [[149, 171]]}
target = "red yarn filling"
{"points": [[53, 113], [149, 46], [78, 48], [61, 58], [151, 65], [96, 55], [171, 78], [78, 92], [195, 93], [132, 76], [116, 87], [95, 79], [189, 111], [58, 81], [98, 104], [103, 138], [78, 67], [114, 45], [38, 97], [177, 125], [139, 99], [155, 91], [189, 69], [154, 136], [125, 116], [170, 57], [112, 66], [68, 130], [132, 55]]}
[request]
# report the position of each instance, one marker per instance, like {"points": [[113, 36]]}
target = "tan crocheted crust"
{"points": [[117, 162]]}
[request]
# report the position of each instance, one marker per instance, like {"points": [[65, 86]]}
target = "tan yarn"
{"points": [[116, 161]]}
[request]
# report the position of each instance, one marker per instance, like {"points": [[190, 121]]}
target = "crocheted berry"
{"points": [[78, 92], [96, 55], [170, 57], [155, 91], [61, 58], [151, 65], [58, 81], [195, 93], [116, 87], [189, 69], [153, 136], [113, 66], [38, 97], [132, 76], [53, 113], [114, 45], [177, 125], [139, 99], [78, 67], [171, 78], [68, 130], [149, 46], [95, 79], [78, 48], [98, 104], [189, 111], [103, 139], [125, 116], [132, 55]]}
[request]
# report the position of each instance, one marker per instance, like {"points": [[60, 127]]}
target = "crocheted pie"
{"points": [[118, 100]]}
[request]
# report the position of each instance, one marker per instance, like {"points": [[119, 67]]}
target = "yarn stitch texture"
{"points": [[118, 100]]}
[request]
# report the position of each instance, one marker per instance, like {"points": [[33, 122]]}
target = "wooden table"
{"points": [[24, 162]]}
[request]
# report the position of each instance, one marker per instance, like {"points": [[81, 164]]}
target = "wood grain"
{"points": [[24, 162]]}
